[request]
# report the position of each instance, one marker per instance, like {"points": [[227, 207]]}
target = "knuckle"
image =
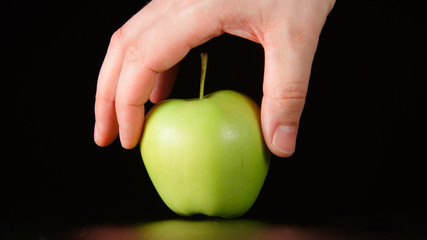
{"points": [[120, 42], [294, 106], [295, 92], [120, 106], [124, 104], [133, 53], [117, 39], [103, 104], [291, 105], [289, 99], [102, 101]]}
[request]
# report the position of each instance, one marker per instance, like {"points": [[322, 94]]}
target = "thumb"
{"points": [[286, 76]]}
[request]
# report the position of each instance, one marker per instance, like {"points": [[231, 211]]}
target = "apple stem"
{"points": [[204, 57]]}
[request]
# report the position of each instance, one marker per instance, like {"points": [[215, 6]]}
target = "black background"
{"points": [[361, 144]]}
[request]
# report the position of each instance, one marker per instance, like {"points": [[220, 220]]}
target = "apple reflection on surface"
{"points": [[204, 230]]}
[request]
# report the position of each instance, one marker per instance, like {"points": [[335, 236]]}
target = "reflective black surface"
{"points": [[356, 228]]}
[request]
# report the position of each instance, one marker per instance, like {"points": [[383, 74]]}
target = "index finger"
{"points": [[106, 126], [157, 49]]}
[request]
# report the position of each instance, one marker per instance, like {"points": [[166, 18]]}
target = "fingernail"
{"points": [[284, 138]]}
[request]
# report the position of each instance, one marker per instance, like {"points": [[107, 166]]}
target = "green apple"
{"points": [[206, 155]]}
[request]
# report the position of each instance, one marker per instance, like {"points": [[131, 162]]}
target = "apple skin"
{"points": [[206, 156]]}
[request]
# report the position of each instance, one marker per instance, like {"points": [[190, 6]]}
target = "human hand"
{"points": [[141, 61]]}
